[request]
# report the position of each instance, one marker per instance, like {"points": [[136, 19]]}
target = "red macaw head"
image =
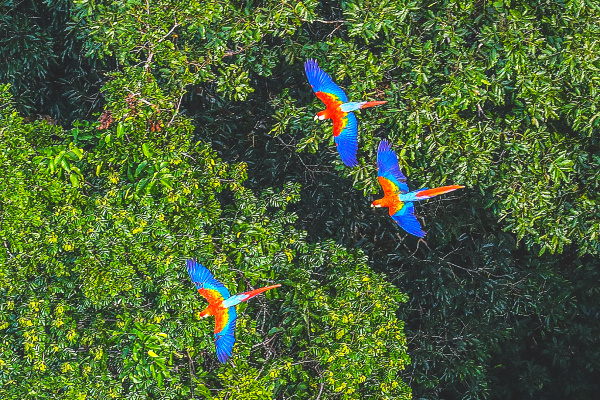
{"points": [[377, 203], [205, 313], [321, 115]]}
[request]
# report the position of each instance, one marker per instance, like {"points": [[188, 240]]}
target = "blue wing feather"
{"points": [[346, 141], [203, 279], [405, 217], [387, 165], [321, 82], [225, 339]]}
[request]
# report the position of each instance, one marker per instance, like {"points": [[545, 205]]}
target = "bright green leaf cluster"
{"points": [[95, 296]]}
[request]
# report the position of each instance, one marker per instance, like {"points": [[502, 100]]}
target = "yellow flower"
{"points": [[289, 254], [66, 367], [40, 366], [113, 177]]}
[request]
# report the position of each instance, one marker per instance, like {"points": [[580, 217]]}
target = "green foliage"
{"points": [[206, 147], [40, 49], [482, 97], [95, 296]]}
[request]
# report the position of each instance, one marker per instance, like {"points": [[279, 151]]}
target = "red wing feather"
{"points": [[211, 295], [330, 100], [389, 188], [339, 121], [221, 319]]}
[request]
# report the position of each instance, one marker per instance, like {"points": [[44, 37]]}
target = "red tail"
{"points": [[440, 190], [373, 103], [254, 292]]}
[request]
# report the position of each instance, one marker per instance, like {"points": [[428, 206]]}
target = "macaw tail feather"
{"points": [[238, 298], [372, 104], [428, 193], [255, 292]]}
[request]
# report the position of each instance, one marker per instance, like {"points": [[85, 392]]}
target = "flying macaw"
{"points": [[396, 195], [339, 109], [221, 305]]}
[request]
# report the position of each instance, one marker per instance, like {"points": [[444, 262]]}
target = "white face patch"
{"points": [[321, 117], [376, 205]]}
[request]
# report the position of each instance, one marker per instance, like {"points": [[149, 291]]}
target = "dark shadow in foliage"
{"points": [[41, 57]]}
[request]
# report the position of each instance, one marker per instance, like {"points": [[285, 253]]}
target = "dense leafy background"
{"points": [[189, 132]]}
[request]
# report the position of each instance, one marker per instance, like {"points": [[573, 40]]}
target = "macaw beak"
{"points": [[316, 117]]}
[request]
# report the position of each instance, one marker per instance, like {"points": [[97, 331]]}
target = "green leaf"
{"points": [[74, 180], [140, 168], [77, 152], [146, 150], [120, 130]]}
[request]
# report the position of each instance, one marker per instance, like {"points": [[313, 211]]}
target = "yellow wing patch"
{"points": [[389, 187]]}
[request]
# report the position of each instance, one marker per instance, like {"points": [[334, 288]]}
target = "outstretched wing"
{"points": [[390, 177], [324, 87], [225, 333], [210, 288], [405, 217], [345, 131]]}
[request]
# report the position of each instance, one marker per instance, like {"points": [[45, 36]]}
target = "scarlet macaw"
{"points": [[339, 109], [395, 191], [221, 305]]}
